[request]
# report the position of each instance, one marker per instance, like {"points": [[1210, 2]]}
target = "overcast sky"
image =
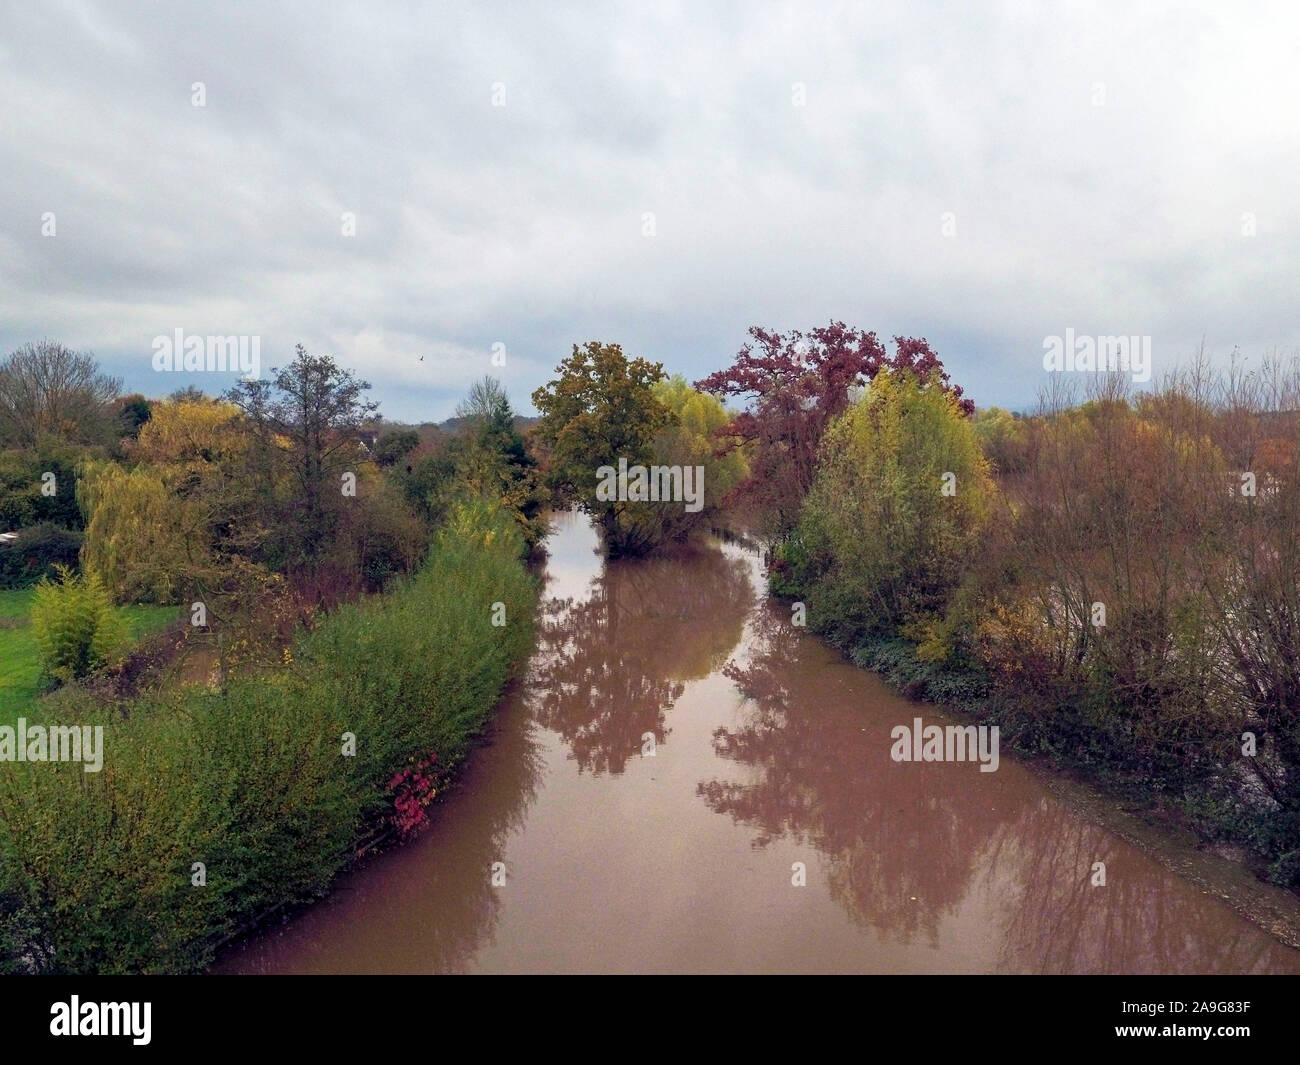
{"points": [[1098, 161]]}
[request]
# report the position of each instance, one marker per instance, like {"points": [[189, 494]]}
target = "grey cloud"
{"points": [[523, 224]]}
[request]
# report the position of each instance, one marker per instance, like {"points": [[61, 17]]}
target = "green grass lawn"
{"points": [[20, 666]]}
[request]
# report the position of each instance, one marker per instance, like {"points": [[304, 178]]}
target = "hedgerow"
{"points": [[100, 873]]}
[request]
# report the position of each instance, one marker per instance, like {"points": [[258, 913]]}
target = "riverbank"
{"points": [[216, 810], [1164, 828], [686, 782]]}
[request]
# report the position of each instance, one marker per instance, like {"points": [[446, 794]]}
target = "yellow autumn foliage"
{"points": [[140, 537]]}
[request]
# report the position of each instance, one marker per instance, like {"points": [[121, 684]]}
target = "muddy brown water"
{"points": [[769, 750]]}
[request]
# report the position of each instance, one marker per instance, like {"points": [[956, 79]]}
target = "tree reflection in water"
{"points": [[899, 840], [609, 666], [909, 847], [1144, 920]]}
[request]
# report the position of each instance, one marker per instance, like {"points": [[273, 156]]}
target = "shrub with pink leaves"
{"points": [[413, 789]]}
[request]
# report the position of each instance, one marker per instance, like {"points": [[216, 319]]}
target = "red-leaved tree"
{"points": [[797, 384]]}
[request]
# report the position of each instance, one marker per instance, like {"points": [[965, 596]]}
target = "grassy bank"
{"points": [[272, 785], [20, 665]]}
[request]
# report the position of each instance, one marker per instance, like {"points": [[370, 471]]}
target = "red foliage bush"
{"points": [[413, 789]]}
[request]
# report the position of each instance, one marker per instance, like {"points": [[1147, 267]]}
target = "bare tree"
{"points": [[485, 402], [47, 389], [320, 409]]}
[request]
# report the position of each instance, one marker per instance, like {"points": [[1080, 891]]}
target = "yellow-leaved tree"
{"points": [[150, 530], [192, 434], [141, 538], [689, 443], [892, 521]]}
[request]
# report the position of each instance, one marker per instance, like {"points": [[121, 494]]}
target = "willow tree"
{"points": [[144, 542], [895, 512], [694, 438]]}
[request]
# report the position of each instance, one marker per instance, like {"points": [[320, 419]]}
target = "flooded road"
{"points": [[768, 750]]}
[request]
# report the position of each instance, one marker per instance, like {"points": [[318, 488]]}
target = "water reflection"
{"points": [[772, 749], [900, 839], [941, 853], [1144, 919], [610, 666]]}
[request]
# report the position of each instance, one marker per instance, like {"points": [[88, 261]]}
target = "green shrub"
{"points": [[75, 625], [96, 868], [24, 499], [880, 544]]}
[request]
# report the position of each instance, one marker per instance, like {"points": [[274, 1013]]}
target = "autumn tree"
{"points": [[601, 408], [1248, 564], [1004, 438], [189, 431], [893, 517], [204, 453], [186, 521], [692, 439], [797, 384]]}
